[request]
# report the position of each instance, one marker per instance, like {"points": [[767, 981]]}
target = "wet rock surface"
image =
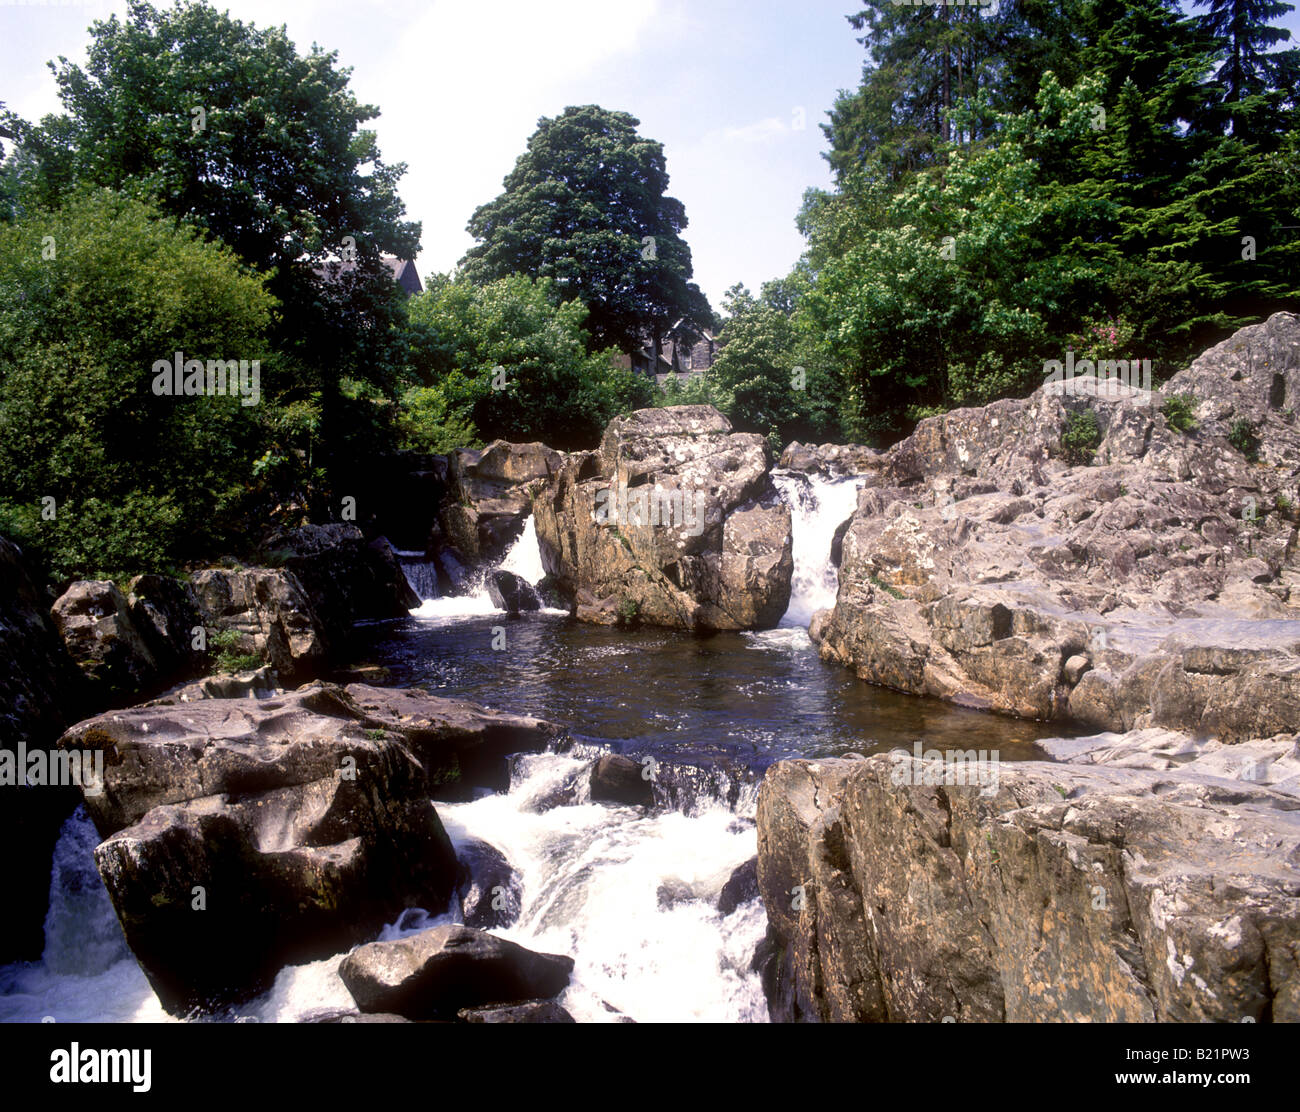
{"points": [[298, 824]]}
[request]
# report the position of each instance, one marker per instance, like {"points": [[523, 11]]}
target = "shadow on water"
{"points": [[752, 697]]}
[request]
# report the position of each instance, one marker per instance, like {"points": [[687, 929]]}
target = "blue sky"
{"points": [[734, 89]]}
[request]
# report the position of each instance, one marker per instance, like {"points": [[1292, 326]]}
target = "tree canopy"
{"points": [[587, 207]]}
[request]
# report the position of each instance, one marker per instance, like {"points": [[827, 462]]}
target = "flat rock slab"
{"points": [[1059, 893], [436, 973]]}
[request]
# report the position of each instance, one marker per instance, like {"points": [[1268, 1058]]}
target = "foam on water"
{"points": [[591, 877]]}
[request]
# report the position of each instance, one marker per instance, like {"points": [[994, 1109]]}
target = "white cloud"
{"points": [[763, 131]]}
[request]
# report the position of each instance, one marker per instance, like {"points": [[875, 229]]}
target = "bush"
{"points": [[100, 475], [229, 659], [1179, 410], [1242, 437], [1080, 437], [503, 361]]}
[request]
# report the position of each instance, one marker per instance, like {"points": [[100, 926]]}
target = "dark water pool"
{"points": [[754, 698]]}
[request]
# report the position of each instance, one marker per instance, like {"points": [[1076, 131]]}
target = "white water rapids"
{"points": [[592, 876]]}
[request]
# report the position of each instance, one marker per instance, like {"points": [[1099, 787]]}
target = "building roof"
{"points": [[402, 270]]}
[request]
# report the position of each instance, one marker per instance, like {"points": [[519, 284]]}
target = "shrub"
{"points": [[229, 659], [1080, 437], [1179, 410], [1242, 437]]}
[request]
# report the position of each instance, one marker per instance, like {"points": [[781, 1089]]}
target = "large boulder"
{"points": [[41, 690], [270, 610], [94, 619], [1158, 586], [673, 522], [438, 972], [489, 889], [510, 593], [241, 835], [835, 460], [622, 781], [489, 497], [531, 1011], [166, 613], [1048, 893], [346, 579]]}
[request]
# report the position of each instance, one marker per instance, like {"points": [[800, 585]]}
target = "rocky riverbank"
{"points": [[1155, 586], [1148, 591]]}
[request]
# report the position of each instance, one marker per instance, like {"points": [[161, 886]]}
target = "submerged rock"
{"points": [[510, 593], [673, 522], [438, 972], [741, 887], [531, 1011], [620, 780], [489, 889]]}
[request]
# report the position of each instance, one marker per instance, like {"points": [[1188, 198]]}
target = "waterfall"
{"points": [[818, 506], [421, 574], [525, 557], [82, 936]]}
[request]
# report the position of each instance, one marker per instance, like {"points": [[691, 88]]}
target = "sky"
{"points": [[734, 89]]}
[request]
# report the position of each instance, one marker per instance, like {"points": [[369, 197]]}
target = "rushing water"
{"points": [[593, 877]]}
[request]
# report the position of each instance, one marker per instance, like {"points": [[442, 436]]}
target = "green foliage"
{"points": [[587, 206], [278, 166], [228, 658], [505, 361], [1242, 437], [1180, 411], [629, 612], [1080, 437], [1004, 195], [139, 481], [888, 588], [940, 292], [769, 375]]}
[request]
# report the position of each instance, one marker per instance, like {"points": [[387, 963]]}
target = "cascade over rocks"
{"points": [[710, 550], [305, 820], [1157, 587], [1063, 893]]}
